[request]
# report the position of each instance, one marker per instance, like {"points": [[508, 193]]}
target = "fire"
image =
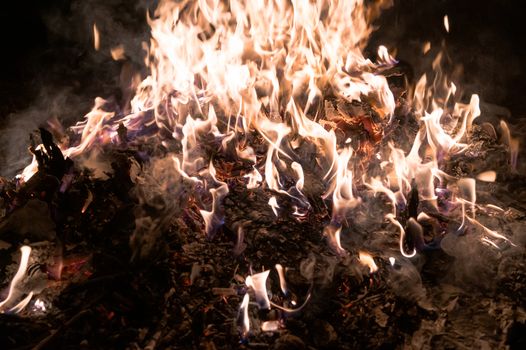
{"points": [[14, 292], [259, 81], [367, 260], [278, 88], [244, 321], [257, 283], [257, 286], [212, 218], [446, 23], [333, 237], [394, 221], [512, 143], [226, 72], [96, 37], [487, 176], [282, 280], [274, 205]]}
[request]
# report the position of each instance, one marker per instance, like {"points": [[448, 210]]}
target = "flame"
{"points": [[274, 205], [240, 245], [88, 201], [446, 23], [118, 53], [367, 260], [301, 176], [19, 276], [487, 176], [255, 77], [256, 82], [468, 193], [254, 179], [333, 236], [22, 304], [511, 143], [426, 47], [243, 316], [258, 285], [96, 37], [282, 281], [393, 220], [29, 170], [211, 217], [341, 188]]}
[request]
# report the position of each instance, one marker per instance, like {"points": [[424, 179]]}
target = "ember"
{"points": [[265, 181]]}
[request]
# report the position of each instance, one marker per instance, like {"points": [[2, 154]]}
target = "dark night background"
{"points": [[49, 66]]}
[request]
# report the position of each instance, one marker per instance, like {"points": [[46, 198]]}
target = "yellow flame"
{"points": [[487, 176], [118, 53], [426, 47], [366, 259], [231, 71], [96, 37], [19, 276]]}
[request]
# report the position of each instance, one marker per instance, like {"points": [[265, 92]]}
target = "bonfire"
{"points": [[267, 185]]}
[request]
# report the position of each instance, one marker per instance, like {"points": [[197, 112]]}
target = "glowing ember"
{"points": [[270, 326], [39, 305]]}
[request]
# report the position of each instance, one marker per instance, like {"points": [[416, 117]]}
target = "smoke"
{"points": [[67, 73], [405, 281], [474, 263], [161, 193], [62, 105], [319, 268]]}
